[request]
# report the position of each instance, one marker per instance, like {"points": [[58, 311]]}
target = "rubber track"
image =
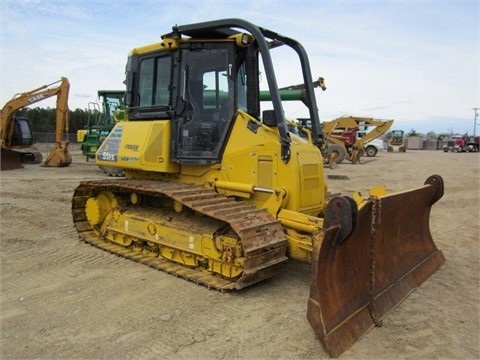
{"points": [[262, 236]]}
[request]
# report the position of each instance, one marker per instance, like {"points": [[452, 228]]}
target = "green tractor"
{"points": [[100, 121]]}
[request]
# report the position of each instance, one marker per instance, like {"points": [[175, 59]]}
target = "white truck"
{"points": [[374, 146]]}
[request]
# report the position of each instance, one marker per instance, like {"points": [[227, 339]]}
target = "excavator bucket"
{"points": [[369, 261], [59, 156], [10, 160]]}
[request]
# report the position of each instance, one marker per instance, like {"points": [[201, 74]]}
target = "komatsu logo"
{"points": [[36, 98], [131, 147]]}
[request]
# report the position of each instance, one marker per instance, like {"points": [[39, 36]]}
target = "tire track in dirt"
{"points": [[87, 257], [32, 282]]}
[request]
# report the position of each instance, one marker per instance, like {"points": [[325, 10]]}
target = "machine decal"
{"points": [[36, 98], [130, 158], [132, 147], [109, 149]]}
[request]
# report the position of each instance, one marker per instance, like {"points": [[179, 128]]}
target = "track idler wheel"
{"points": [[97, 208]]}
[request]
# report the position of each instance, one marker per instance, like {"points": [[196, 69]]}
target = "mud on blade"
{"points": [[360, 277]]}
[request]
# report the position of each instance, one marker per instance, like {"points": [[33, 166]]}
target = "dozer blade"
{"points": [[10, 160], [369, 261], [59, 156]]}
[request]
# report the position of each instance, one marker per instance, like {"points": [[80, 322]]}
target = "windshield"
{"points": [[112, 103], [154, 81]]}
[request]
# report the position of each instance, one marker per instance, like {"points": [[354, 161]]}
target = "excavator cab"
{"points": [[22, 133], [22, 140]]}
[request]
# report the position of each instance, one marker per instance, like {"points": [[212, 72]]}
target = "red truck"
{"points": [[461, 143]]}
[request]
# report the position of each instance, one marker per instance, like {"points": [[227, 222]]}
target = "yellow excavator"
{"points": [[347, 139], [346, 135], [219, 192], [15, 133]]}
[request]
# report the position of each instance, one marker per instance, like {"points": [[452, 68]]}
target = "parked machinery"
{"points": [[397, 142], [100, 122], [461, 143], [16, 135], [347, 136], [218, 191]]}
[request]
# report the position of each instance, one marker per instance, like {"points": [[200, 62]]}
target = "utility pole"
{"points": [[475, 120]]}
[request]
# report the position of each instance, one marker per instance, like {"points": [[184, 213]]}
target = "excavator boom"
{"points": [[347, 140]]}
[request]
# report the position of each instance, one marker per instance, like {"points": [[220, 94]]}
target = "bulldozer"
{"points": [[16, 135], [218, 191]]}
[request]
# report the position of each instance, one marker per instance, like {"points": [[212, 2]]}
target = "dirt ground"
{"points": [[63, 299]]}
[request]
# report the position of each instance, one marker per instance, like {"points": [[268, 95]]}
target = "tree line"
{"points": [[43, 120]]}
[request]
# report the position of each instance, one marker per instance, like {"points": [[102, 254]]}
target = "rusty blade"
{"points": [[345, 298]]}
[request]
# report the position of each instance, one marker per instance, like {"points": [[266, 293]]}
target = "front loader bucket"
{"points": [[10, 160], [59, 156], [359, 276]]}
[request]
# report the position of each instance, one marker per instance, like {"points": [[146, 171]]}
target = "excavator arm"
{"points": [[59, 156], [378, 127], [336, 129]]}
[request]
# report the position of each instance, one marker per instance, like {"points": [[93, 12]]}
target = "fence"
{"points": [[49, 138], [45, 143]]}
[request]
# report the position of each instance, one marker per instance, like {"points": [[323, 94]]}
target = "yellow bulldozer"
{"points": [[15, 133], [219, 192]]}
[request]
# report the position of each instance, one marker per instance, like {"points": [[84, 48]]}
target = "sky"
{"points": [[417, 62]]}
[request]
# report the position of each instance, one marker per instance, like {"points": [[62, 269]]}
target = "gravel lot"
{"points": [[63, 299]]}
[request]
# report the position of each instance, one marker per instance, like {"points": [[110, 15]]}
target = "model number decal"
{"points": [[106, 156]]}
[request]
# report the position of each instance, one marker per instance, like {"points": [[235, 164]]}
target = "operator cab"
{"points": [[198, 86], [200, 75], [22, 134]]}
